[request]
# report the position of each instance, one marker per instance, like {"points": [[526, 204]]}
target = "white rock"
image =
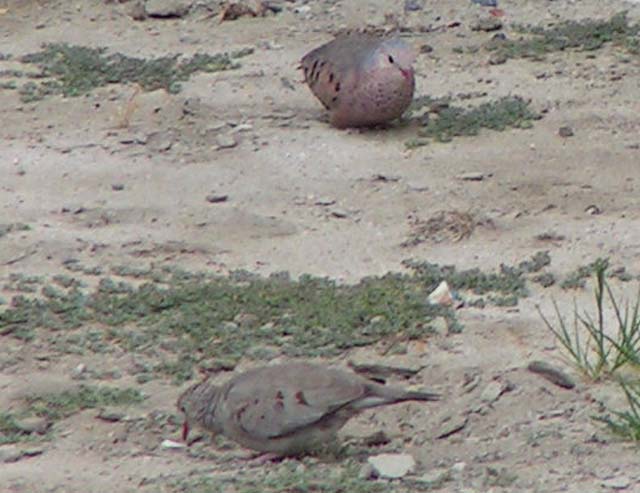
{"points": [[441, 295], [392, 465], [170, 444]]}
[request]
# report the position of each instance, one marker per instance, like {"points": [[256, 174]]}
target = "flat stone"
{"points": [[10, 453], [167, 8], [392, 466], [617, 483], [34, 424]]}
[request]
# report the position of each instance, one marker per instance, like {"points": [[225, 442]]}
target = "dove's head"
{"points": [[198, 404], [395, 53]]}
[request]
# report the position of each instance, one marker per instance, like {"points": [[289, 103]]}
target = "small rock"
{"points": [[160, 141], [226, 141], [10, 453], [367, 471], [216, 198], [441, 295], [551, 373], [137, 11], [451, 425], [434, 478], [117, 187], [486, 3], [170, 444], [498, 58], [79, 371], [492, 392], [392, 466], [376, 439], [617, 483], [167, 8], [339, 213], [111, 415], [457, 469], [487, 24], [593, 210], [325, 201], [473, 176], [34, 424], [565, 132], [413, 5]]}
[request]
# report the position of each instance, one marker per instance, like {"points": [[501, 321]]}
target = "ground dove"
{"points": [[286, 409], [362, 79]]}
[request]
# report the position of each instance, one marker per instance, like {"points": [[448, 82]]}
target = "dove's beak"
{"points": [[407, 73], [185, 430]]}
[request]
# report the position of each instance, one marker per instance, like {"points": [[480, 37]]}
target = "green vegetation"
{"points": [[626, 423], [590, 347], [76, 70], [64, 404], [584, 35], [452, 121], [289, 476], [178, 321]]}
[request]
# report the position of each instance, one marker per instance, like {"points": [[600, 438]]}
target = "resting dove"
{"points": [[286, 409], [362, 79]]}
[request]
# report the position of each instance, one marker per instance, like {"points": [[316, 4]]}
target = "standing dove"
{"points": [[362, 79], [286, 409]]}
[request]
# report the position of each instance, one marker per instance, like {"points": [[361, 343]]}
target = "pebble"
{"points": [[10, 453], [434, 478], [392, 466], [492, 391], [170, 444], [551, 373], [167, 8], [226, 141], [565, 132], [33, 424], [617, 483], [216, 198]]}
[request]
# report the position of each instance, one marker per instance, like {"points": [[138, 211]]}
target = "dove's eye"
{"points": [[391, 60]]}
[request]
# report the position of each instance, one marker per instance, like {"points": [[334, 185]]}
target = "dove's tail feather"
{"points": [[421, 396], [382, 395]]}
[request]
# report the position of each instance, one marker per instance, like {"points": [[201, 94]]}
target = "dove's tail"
{"points": [[421, 396], [382, 395]]}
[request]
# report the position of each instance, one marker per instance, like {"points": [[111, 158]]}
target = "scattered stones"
{"points": [[167, 8], [392, 466], [565, 132], [551, 373]]}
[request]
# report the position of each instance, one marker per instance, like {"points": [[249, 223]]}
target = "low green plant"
{"points": [[590, 348], [626, 423]]}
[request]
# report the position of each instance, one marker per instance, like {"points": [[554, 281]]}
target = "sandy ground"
{"points": [[307, 198]]}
